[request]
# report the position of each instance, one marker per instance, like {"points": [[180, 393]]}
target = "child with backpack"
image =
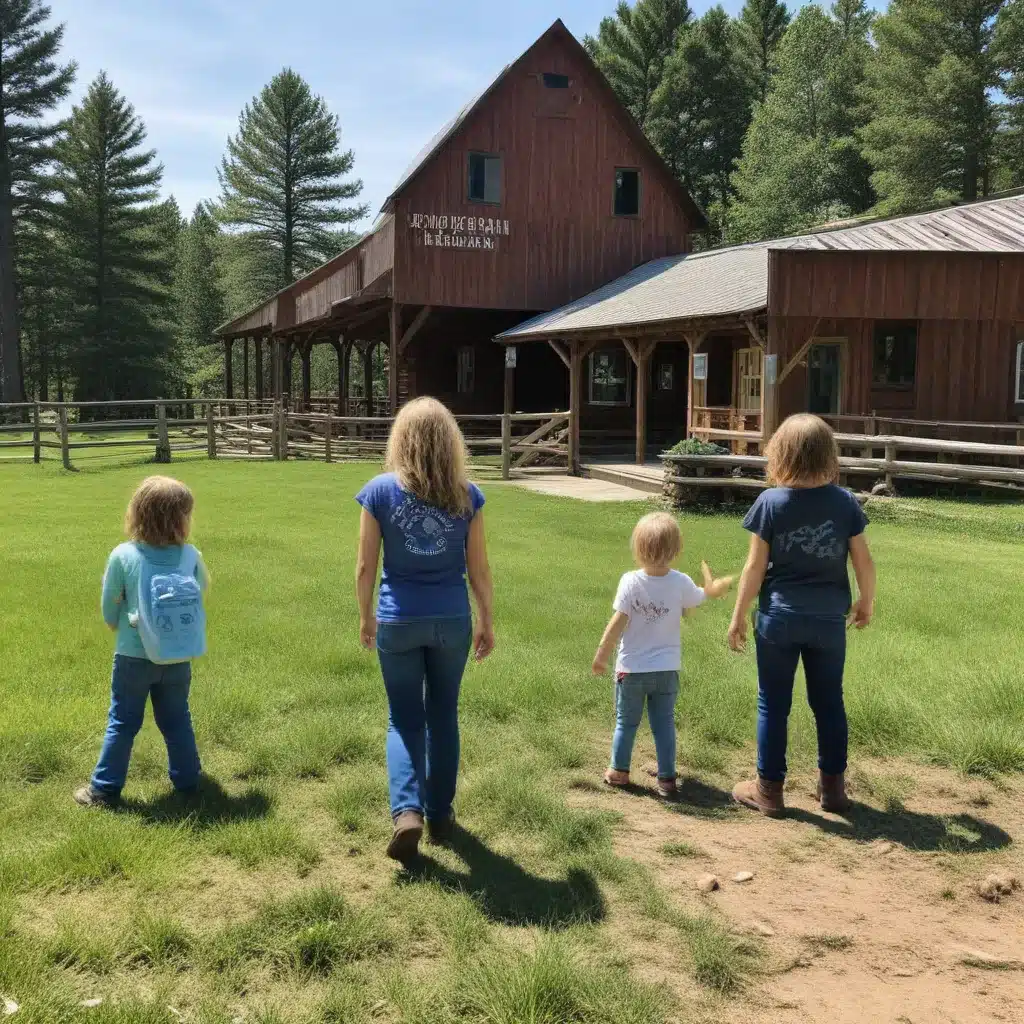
{"points": [[648, 612], [153, 599]]}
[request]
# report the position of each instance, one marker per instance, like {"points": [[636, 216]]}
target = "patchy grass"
{"points": [[267, 898]]}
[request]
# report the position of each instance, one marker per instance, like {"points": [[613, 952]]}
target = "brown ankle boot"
{"points": [[832, 793], [405, 841], [761, 795]]}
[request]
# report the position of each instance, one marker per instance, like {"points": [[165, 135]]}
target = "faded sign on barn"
{"points": [[458, 231]]}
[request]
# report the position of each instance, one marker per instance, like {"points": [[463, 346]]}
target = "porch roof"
{"points": [[731, 283]]}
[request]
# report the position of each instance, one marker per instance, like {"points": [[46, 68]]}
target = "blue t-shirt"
{"points": [[424, 573], [808, 531]]}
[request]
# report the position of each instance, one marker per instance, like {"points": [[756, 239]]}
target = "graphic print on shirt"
{"points": [[424, 528], [651, 611], [816, 541]]}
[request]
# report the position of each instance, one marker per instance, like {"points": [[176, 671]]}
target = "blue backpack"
{"points": [[172, 621]]}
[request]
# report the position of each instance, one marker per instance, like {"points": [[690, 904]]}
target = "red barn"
{"points": [[539, 190]]}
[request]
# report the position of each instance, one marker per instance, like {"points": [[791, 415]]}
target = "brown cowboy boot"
{"points": [[761, 795], [832, 793], [405, 841]]}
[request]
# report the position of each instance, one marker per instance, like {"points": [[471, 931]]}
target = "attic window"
{"points": [[553, 81], [627, 192], [484, 178]]}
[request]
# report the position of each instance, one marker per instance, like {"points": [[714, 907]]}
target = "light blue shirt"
{"points": [[120, 597]]}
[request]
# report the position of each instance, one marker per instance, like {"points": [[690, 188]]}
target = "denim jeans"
{"points": [[422, 664], [782, 641], [659, 690], [134, 681]]}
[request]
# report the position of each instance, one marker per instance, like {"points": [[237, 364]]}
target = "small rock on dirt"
{"points": [[743, 876], [9, 1006], [996, 886], [760, 928], [707, 883]]}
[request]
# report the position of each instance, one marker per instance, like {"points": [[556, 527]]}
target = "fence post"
{"points": [[282, 441], [37, 447], [163, 442], [327, 438], [62, 422], [890, 457], [248, 430], [506, 445], [211, 432]]}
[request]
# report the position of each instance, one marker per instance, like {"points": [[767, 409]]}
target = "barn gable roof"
{"points": [[733, 281]]}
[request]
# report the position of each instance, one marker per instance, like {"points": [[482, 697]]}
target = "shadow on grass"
{"points": [[210, 805], [954, 833], [509, 894]]}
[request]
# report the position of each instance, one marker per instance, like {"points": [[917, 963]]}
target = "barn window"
{"points": [[484, 178], [553, 81], [467, 370], [610, 377], [895, 355], [1019, 389], [627, 192]]}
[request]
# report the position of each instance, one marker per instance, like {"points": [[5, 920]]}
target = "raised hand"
{"points": [[715, 588]]}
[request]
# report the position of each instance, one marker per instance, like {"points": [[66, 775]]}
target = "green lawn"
{"points": [[270, 901]]}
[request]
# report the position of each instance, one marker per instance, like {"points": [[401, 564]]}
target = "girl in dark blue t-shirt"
{"points": [[803, 532]]}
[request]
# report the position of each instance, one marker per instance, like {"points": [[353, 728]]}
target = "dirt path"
{"points": [[875, 918]]}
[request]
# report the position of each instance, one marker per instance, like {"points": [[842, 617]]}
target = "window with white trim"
{"points": [[467, 370], [1018, 392], [610, 377]]}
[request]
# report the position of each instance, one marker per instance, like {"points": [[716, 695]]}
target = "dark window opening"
{"points": [[484, 178], [666, 377], [553, 81], [1019, 390], [610, 377], [627, 193], [895, 355], [467, 371]]}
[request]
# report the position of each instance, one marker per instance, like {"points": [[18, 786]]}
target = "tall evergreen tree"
{"points": [[760, 28], [117, 239], [1010, 51], [283, 179], [800, 158], [632, 46], [199, 305], [701, 110], [32, 83], [932, 81]]}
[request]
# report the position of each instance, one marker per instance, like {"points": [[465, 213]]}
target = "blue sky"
{"points": [[393, 70]]}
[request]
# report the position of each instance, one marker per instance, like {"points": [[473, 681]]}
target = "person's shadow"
{"points": [[211, 804], [506, 892]]}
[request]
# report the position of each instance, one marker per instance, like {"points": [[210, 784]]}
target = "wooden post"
{"points": [[248, 431], [368, 376], [506, 418], [693, 342], [769, 397], [282, 441], [288, 356], [643, 374], [37, 446], [339, 348], [211, 432], [259, 369], [327, 438], [890, 456], [245, 369], [306, 353], [229, 385], [575, 396], [163, 443], [62, 422], [395, 333]]}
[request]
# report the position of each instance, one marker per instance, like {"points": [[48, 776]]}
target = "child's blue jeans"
{"points": [[782, 641], [659, 690], [134, 681], [422, 664]]}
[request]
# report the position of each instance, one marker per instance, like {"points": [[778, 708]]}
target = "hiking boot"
{"points": [[442, 831], [405, 841], [761, 795], [667, 789], [89, 796], [832, 793]]}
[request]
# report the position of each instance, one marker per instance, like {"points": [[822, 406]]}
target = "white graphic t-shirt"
{"points": [[655, 606]]}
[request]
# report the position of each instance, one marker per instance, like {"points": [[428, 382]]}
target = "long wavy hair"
{"points": [[427, 453], [802, 453], [160, 512]]}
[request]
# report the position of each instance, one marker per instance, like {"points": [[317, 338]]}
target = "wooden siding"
{"points": [[259, 320], [314, 299], [897, 285], [964, 368], [379, 252], [557, 179]]}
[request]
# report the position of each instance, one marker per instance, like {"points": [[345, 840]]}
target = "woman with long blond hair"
{"points": [[428, 518]]}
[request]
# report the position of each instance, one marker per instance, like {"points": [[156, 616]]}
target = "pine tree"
{"points": [[32, 83], [1009, 44], [632, 46], [701, 110], [932, 81], [283, 180], [800, 157], [117, 239], [199, 306], [760, 28]]}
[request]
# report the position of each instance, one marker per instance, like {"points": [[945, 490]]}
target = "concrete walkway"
{"points": [[580, 488]]}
